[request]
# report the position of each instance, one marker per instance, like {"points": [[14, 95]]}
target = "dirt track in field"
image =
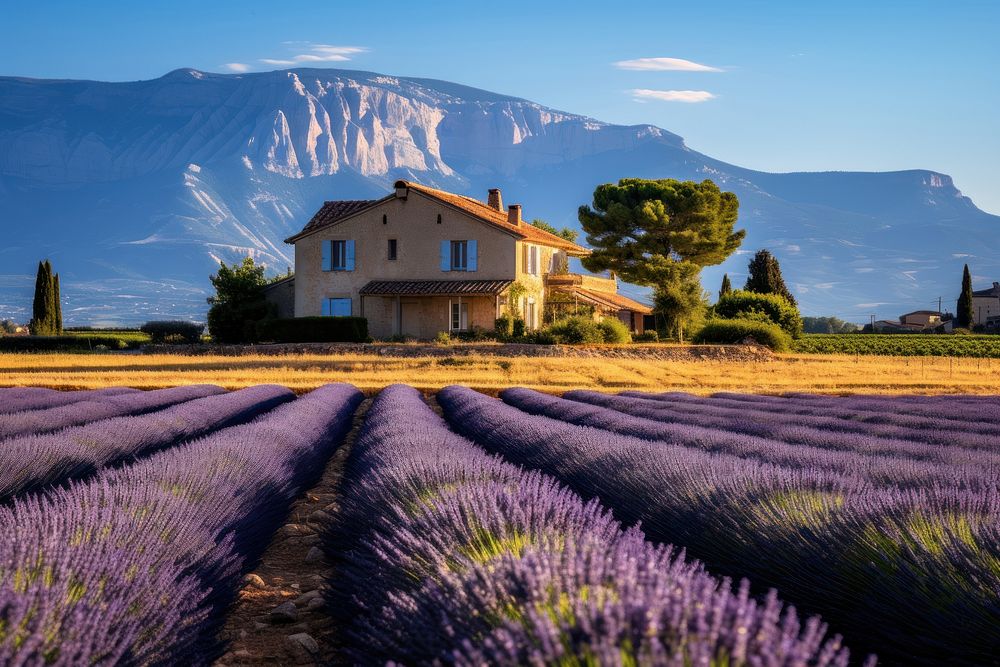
{"points": [[291, 570]]}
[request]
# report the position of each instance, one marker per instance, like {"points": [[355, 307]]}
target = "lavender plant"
{"points": [[940, 445], [100, 407], [135, 566], [19, 399], [31, 463], [876, 461], [908, 573], [476, 561], [936, 431]]}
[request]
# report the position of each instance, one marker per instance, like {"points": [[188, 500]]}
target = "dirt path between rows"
{"points": [[279, 616]]}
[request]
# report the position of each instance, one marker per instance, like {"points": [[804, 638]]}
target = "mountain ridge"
{"points": [[166, 176]]}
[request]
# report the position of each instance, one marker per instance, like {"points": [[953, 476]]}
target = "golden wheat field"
{"points": [[814, 373]]}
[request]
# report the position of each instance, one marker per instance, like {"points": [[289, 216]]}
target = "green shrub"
{"points": [[649, 336], [737, 330], [743, 305], [576, 331], [517, 328], [314, 330], [443, 338], [614, 330], [504, 326], [475, 335], [541, 337], [173, 330]]}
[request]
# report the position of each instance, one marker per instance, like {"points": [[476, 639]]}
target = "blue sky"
{"points": [[876, 85]]}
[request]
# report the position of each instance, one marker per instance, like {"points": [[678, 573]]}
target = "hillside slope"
{"points": [[135, 190]]}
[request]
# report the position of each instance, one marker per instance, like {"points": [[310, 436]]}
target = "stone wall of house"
{"points": [[413, 222]]}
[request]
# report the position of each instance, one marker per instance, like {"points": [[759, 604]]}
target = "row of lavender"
{"points": [[135, 565], [893, 538], [94, 406], [35, 462], [444, 553]]}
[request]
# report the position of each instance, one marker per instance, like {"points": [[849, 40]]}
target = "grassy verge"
{"points": [[825, 373]]}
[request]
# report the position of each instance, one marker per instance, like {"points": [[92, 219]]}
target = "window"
{"points": [[531, 260], [529, 315], [459, 316], [336, 307], [459, 255], [338, 255], [391, 253]]}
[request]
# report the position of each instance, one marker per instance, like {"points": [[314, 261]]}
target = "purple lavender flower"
{"points": [[135, 566], [445, 554]]}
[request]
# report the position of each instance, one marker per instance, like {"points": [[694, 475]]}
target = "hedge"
{"points": [[314, 330], [167, 331], [740, 304], [735, 331]]}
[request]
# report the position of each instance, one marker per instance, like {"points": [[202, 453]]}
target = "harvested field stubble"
{"points": [[814, 373]]}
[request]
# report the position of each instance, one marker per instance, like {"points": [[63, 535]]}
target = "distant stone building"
{"points": [[986, 306]]}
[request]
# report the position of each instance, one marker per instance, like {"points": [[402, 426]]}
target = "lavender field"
{"points": [[587, 529]]}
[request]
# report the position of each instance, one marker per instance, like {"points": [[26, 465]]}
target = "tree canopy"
{"points": [[661, 233], [564, 233], [238, 303], [765, 277], [727, 286], [828, 325], [641, 228]]}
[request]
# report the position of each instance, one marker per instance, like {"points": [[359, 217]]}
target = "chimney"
{"points": [[495, 201], [402, 189], [514, 214]]}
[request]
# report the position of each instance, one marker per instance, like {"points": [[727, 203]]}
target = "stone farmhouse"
{"points": [[420, 261]]}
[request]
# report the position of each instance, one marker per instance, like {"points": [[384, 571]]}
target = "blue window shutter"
{"points": [[326, 302], [349, 251], [327, 252], [472, 262], [446, 255]]}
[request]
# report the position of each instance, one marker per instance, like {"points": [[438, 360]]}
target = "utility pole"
{"points": [[873, 322], [939, 304]]}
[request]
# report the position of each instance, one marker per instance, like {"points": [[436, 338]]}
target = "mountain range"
{"points": [[137, 190]]}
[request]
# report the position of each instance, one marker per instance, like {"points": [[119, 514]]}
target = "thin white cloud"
{"points": [[237, 67], [664, 65], [871, 305], [316, 53], [687, 96]]}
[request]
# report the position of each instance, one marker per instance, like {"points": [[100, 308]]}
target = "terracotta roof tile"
{"points": [[498, 218], [333, 211]]}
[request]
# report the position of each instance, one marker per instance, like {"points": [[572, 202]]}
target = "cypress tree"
{"points": [[57, 309], [965, 317], [765, 277], [43, 321], [727, 286]]}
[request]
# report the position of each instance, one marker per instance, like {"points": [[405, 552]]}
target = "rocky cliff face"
{"points": [[136, 189]]}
